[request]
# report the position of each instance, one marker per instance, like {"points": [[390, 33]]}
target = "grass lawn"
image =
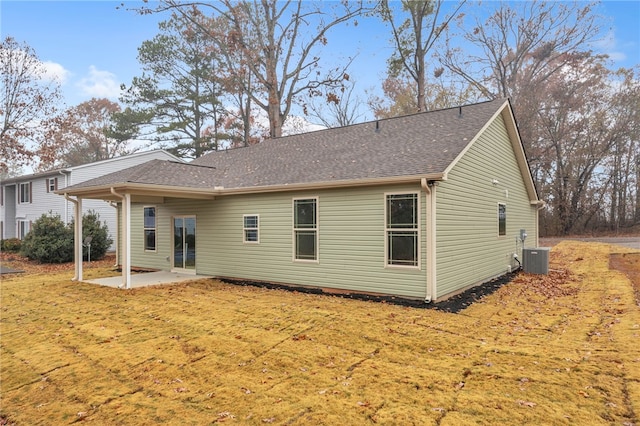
{"points": [[557, 349]]}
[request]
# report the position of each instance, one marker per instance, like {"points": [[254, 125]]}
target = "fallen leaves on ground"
{"points": [[21, 263], [556, 349]]}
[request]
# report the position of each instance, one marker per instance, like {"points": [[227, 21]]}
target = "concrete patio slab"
{"points": [[7, 270], [147, 279]]}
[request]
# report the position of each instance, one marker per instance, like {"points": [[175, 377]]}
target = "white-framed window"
{"points": [[502, 219], [149, 228], [24, 226], [251, 228], [305, 229], [25, 193], [52, 184], [402, 218]]}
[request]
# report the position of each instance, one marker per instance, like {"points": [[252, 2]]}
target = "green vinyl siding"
{"points": [[350, 242], [351, 235], [469, 249], [164, 231]]}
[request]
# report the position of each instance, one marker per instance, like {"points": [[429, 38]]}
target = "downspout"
{"points": [[116, 242], [77, 237], [126, 240], [66, 205], [431, 277], [541, 205]]}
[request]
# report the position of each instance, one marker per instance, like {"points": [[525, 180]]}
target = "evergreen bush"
{"points": [[49, 241], [99, 232], [11, 245]]}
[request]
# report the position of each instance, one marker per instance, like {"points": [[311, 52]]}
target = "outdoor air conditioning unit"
{"points": [[536, 260]]}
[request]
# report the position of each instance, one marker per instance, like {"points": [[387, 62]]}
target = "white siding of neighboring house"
{"points": [[8, 212], [43, 202]]}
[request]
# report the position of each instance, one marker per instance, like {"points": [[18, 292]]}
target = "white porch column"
{"points": [[77, 239], [126, 255]]}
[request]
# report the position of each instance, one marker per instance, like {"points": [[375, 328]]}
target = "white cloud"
{"points": [[99, 84], [55, 72], [609, 45], [44, 71]]}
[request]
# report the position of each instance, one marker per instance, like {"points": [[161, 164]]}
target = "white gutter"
{"points": [[77, 237], [126, 238], [210, 193], [430, 189]]}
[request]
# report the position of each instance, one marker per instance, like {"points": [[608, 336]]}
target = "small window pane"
{"points": [[502, 219], [149, 217], [403, 248], [305, 213], [402, 211], [306, 245], [150, 239], [251, 221]]}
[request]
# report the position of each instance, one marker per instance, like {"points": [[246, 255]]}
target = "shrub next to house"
{"points": [[11, 245], [51, 241], [99, 233]]}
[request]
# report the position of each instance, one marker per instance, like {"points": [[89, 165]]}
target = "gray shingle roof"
{"points": [[419, 144]]}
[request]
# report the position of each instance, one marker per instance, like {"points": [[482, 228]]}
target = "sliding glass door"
{"points": [[184, 243]]}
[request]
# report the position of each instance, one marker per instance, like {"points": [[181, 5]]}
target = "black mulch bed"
{"points": [[454, 304]]}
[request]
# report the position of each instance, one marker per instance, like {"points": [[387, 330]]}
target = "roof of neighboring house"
{"points": [[423, 144], [70, 169]]}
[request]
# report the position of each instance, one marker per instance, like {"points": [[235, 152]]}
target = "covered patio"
{"points": [[153, 182], [147, 279]]}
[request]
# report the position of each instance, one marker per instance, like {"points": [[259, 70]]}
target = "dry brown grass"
{"points": [[561, 349]]}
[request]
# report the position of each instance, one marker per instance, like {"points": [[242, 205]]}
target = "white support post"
{"points": [[77, 239], [126, 256]]}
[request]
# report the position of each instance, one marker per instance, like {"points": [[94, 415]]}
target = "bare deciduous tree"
{"points": [[81, 135], [280, 42], [414, 37], [337, 110], [29, 98]]}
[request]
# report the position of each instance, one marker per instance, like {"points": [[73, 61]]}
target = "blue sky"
{"points": [[93, 46]]}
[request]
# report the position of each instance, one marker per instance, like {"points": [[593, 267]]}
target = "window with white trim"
{"points": [[250, 226], [25, 193], [52, 184], [502, 219], [305, 229], [401, 228], [150, 229], [24, 226]]}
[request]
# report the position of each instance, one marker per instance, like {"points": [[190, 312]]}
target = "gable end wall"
{"points": [[469, 250]]}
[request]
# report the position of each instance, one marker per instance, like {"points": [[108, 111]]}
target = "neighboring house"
{"points": [[420, 206], [25, 198]]}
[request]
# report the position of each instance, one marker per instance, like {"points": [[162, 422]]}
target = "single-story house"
{"points": [[421, 206], [23, 199]]}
